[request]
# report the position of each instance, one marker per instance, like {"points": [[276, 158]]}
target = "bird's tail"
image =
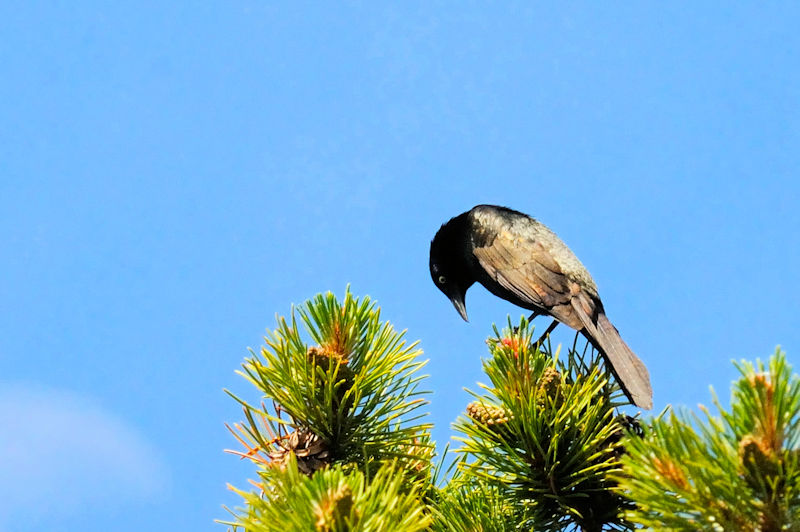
{"points": [[631, 372]]}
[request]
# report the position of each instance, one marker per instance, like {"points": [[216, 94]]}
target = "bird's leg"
{"points": [[530, 319], [542, 338]]}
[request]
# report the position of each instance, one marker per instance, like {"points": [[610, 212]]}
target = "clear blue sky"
{"points": [[171, 176]]}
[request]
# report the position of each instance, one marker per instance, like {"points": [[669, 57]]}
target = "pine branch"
{"points": [[545, 434], [333, 500], [354, 395], [736, 471], [476, 506], [343, 446]]}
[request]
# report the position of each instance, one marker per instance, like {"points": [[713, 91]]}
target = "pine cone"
{"points": [[549, 386], [311, 451], [494, 417]]}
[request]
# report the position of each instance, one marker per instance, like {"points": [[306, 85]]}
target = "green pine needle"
{"points": [[347, 378], [332, 500], [561, 440], [735, 471]]}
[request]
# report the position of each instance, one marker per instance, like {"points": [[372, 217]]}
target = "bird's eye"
{"points": [[442, 279]]}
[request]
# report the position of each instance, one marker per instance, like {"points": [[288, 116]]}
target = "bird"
{"points": [[519, 259]]}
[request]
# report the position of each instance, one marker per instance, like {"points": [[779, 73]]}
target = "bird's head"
{"points": [[450, 268]]}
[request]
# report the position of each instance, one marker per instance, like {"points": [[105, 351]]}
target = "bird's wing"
{"points": [[525, 268]]}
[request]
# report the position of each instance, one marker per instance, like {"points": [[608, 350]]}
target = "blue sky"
{"points": [[174, 175]]}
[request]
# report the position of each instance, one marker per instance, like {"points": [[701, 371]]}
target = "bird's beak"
{"points": [[458, 302]]}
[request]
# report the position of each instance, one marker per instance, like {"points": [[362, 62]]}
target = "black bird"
{"points": [[520, 260]]}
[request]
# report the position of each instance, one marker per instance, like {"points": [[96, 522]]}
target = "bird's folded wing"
{"points": [[525, 268]]}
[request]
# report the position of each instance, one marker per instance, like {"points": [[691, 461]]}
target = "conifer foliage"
{"points": [[345, 413], [544, 435], [340, 443], [737, 471]]}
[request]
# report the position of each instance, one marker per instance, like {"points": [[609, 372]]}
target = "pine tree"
{"points": [[340, 442]]}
